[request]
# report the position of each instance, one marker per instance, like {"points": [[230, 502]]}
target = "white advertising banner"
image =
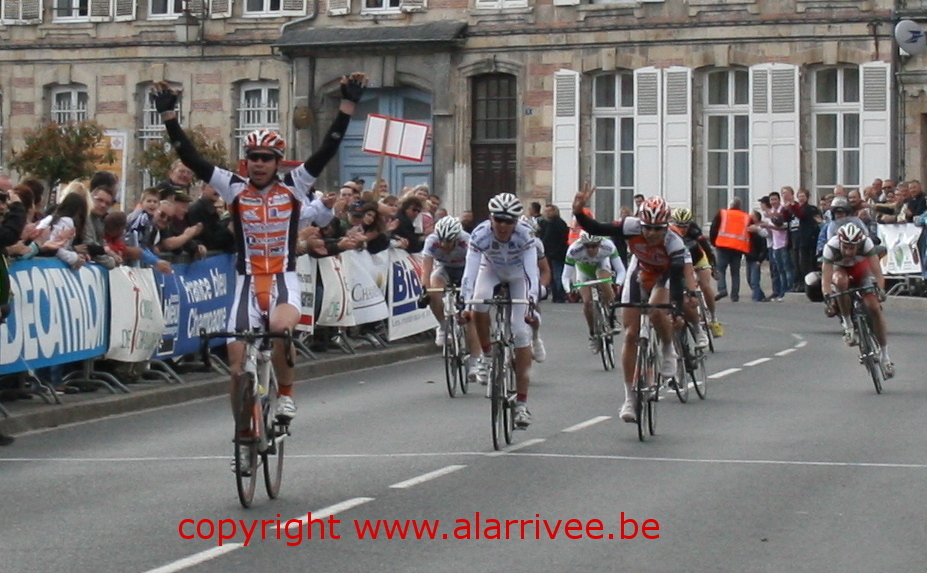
{"points": [[405, 288], [306, 271], [136, 322], [901, 240], [367, 300], [336, 295]]}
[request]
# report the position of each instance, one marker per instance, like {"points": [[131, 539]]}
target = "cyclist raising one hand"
{"points": [[656, 274], [265, 211]]}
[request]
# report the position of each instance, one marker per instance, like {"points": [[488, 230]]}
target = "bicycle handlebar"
{"points": [[593, 282], [249, 337], [643, 305], [447, 288], [866, 289], [498, 301]]}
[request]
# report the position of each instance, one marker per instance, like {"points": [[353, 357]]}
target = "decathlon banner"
{"points": [[136, 323], [197, 295], [367, 300], [405, 288], [306, 271], [337, 309], [901, 240], [58, 315]]}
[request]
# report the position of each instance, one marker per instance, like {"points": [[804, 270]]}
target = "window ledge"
{"points": [[696, 6]]}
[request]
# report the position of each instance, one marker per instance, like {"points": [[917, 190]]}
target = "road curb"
{"points": [[145, 396]]}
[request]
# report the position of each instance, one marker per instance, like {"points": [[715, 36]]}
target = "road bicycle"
{"points": [[602, 323], [870, 351], [261, 443], [690, 365], [648, 384], [502, 391], [455, 351]]}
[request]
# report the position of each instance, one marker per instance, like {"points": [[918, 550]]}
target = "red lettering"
{"points": [[294, 538], [594, 525], [552, 534], [508, 526], [573, 525], [332, 522], [462, 531], [199, 526], [226, 536], [626, 522], [654, 527], [180, 529]]}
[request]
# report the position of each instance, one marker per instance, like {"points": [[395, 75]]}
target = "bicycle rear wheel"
{"points": [[603, 332], [497, 394], [272, 457], [703, 319], [508, 411], [450, 365], [683, 351], [246, 448], [461, 354]]}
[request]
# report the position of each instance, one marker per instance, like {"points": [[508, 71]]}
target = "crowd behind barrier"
{"points": [[59, 315]]}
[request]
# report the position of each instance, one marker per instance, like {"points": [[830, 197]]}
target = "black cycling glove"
{"points": [[165, 99], [352, 89]]}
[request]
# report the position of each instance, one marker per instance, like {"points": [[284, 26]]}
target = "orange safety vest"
{"points": [[732, 232]]}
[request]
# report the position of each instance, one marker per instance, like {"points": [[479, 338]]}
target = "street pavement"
{"points": [[793, 463]]}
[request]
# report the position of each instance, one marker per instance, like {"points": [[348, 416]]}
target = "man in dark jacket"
{"points": [[215, 235], [553, 232], [11, 228]]}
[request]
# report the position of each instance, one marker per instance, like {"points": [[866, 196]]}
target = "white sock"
{"points": [[885, 357]]}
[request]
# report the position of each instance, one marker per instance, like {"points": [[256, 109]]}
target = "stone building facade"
{"points": [[698, 101]]}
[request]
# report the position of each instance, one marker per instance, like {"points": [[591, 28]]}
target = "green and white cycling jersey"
{"points": [[586, 264]]}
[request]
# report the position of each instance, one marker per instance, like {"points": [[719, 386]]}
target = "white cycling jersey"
{"points": [[832, 254], [456, 258]]}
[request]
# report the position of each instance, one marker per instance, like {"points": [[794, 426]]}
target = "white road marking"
{"points": [[515, 447], [586, 424], [797, 336], [327, 511], [723, 461], [723, 373], [802, 344], [785, 352], [757, 361], [196, 558], [427, 477]]}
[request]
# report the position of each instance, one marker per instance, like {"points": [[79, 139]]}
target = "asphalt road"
{"points": [[791, 464]]}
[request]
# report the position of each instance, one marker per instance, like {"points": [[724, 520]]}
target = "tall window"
{"points": [[151, 131], [835, 110], [69, 103], [71, 9], [727, 139], [613, 136], [166, 8], [258, 108]]}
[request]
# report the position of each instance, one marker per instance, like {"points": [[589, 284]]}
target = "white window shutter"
{"points": [[565, 167], [875, 121], [677, 136], [648, 123], [775, 144], [22, 12], [339, 7], [413, 5], [101, 10], [223, 9], [124, 10]]}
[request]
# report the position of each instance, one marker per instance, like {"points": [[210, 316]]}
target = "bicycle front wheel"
{"points": [[703, 320], [642, 392], [450, 360], [870, 352], [246, 447], [684, 352], [461, 354], [497, 394], [272, 457], [508, 406]]}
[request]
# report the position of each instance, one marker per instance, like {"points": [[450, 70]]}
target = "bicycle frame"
{"points": [[869, 349]]}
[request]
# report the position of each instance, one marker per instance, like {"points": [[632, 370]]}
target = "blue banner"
{"points": [[58, 315], [197, 295]]}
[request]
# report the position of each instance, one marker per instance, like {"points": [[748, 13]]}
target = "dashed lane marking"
{"points": [[723, 373], [196, 558], [785, 352], [757, 361], [427, 477], [326, 512], [586, 424]]}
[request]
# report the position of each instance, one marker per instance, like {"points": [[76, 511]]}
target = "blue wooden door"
{"points": [[401, 103]]}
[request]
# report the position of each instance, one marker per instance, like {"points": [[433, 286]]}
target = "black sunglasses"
{"points": [[504, 220], [265, 157], [654, 227]]}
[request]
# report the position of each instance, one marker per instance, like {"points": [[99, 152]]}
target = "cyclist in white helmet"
{"points": [[849, 260], [593, 257], [502, 250]]}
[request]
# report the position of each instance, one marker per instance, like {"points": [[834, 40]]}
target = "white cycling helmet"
{"points": [[531, 222], [850, 234], [448, 228], [506, 206], [587, 239]]}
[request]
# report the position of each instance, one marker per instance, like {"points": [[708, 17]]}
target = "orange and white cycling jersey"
{"points": [[266, 220]]}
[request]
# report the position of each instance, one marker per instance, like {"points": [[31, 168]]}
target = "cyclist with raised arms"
{"points": [[592, 257], [265, 211], [849, 260], [656, 275], [703, 261], [503, 250]]}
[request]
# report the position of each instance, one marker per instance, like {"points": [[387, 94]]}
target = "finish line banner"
{"points": [[58, 315]]}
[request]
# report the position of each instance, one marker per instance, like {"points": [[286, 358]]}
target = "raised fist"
{"points": [[165, 98], [352, 87]]}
